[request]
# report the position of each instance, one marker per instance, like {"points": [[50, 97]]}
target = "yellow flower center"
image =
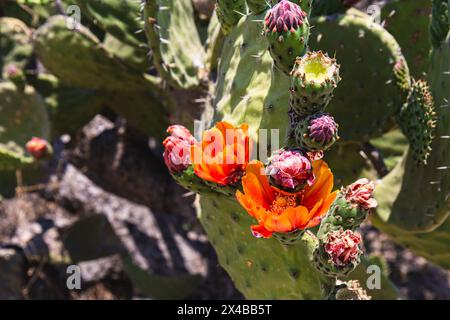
{"points": [[283, 202]]}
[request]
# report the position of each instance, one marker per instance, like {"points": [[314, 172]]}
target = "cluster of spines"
{"points": [[417, 120]]}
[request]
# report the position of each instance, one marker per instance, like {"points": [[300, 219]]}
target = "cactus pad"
{"points": [[367, 99], [15, 46], [23, 116], [178, 54], [92, 66]]}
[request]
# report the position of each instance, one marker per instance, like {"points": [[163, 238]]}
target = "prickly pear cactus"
{"points": [[177, 51], [15, 45], [23, 116], [413, 37], [256, 87], [421, 223]]}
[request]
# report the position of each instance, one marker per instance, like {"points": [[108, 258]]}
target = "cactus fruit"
{"points": [[306, 5], [339, 253], [314, 78], [38, 148], [287, 31], [317, 132], [417, 119]]}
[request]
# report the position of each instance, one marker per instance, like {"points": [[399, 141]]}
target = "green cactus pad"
{"points": [[214, 43], [177, 52], [23, 115], [260, 268], [248, 90], [399, 205], [70, 108], [15, 46], [314, 78], [392, 146], [347, 163], [328, 7], [367, 99], [418, 120], [440, 22], [78, 59], [257, 6], [230, 12], [116, 17], [289, 238], [131, 55], [408, 22]]}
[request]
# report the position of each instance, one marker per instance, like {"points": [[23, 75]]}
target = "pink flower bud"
{"points": [[284, 16], [343, 247], [290, 169], [360, 193], [323, 129], [38, 148], [182, 133], [12, 71], [178, 148]]}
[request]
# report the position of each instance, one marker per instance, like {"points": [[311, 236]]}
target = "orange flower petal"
{"points": [[300, 216], [321, 187], [257, 168], [261, 231], [278, 223]]}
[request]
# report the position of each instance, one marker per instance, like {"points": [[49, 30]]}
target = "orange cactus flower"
{"points": [[223, 154], [278, 211]]}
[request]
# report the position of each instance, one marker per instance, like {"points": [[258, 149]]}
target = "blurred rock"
{"points": [[12, 274]]}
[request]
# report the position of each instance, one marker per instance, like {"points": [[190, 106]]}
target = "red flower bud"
{"points": [[290, 169], [38, 148], [178, 148], [343, 247], [360, 193]]}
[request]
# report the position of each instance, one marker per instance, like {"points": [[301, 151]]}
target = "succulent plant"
{"points": [[263, 67]]}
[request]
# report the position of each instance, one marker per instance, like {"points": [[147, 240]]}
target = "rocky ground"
{"points": [[110, 204]]}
